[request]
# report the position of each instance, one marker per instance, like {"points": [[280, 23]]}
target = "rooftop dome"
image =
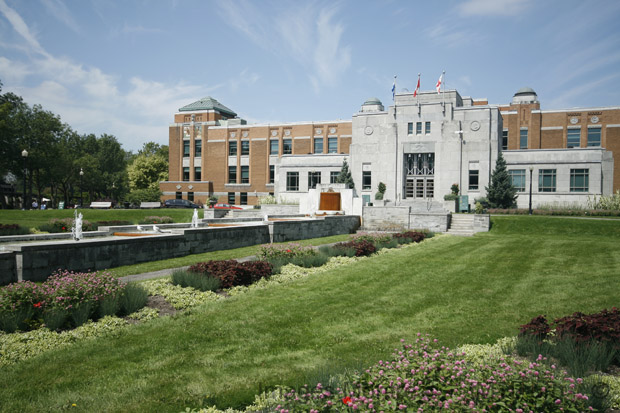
{"points": [[373, 101], [525, 91]]}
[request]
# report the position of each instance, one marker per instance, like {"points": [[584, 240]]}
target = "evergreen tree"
{"points": [[500, 192], [345, 175]]}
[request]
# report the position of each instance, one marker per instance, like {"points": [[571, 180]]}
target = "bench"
{"points": [[101, 205], [147, 205]]}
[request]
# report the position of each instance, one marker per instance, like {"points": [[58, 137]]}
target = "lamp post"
{"points": [[81, 175], [531, 171], [24, 155]]}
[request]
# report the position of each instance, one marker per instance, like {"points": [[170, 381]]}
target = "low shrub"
{"points": [[232, 273], [408, 237], [291, 250], [55, 318], [374, 237], [133, 298], [425, 376], [201, 282], [155, 220], [557, 212], [362, 247], [13, 229], [337, 251], [81, 313], [56, 225], [392, 243]]}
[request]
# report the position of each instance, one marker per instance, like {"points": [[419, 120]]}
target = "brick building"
{"points": [[567, 153]]}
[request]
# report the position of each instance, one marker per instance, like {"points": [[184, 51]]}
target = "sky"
{"points": [[124, 67]]}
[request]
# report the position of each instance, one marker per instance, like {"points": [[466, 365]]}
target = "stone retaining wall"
{"points": [[8, 272], [36, 261], [398, 218]]}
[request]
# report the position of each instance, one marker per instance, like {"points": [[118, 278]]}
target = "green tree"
{"points": [[345, 175], [500, 192], [149, 167]]}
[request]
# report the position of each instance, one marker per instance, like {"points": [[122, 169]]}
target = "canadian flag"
{"points": [[439, 82], [417, 88]]}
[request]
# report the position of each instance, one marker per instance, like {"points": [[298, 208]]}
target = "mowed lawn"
{"points": [[460, 290]]}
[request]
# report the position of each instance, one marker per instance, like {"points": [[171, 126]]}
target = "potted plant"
{"points": [[212, 201], [380, 191]]}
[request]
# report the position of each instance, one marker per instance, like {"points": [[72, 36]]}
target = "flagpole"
{"points": [[418, 92], [443, 83]]}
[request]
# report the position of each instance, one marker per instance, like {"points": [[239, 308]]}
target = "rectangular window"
{"points": [[186, 173], [427, 128], [366, 180], [190, 196], [579, 180], [232, 148], [272, 174], [418, 128], [245, 147], [243, 198], [231, 198], [505, 140], [245, 174], [287, 146], [546, 180], [517, 178], [232, 174], [186, 148], [273, 147], [594, 136], [292, 181], [333, 177], [573, 138], [410, 128], [197, 147], [318, 145], [314, 178], [332, 145], [473, 180], [197, 173], [178, 195], [523, 139]]}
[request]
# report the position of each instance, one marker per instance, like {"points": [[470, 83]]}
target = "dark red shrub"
{"points": [[232, 273], [410, 236], [603, 326], [362, 247], [538, 327]]}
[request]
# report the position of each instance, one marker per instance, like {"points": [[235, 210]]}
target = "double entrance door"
{"points": [[420, 175]]}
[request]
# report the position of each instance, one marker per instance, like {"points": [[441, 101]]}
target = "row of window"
{"points": [[197, 148], [547, 180], [197, 173], [314, 178], [573, 138], [418, 128]]}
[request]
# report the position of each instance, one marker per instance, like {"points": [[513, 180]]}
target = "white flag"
{"points": [[439, 82]]}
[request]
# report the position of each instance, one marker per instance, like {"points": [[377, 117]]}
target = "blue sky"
{"points": [[124, 67]]}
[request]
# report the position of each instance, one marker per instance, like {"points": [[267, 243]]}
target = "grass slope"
{"points": [[461, 290]]}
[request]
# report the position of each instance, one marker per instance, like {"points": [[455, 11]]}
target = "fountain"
{"points": [[76, 229], [195, 219]]}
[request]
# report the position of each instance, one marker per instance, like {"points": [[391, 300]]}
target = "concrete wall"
{"points": [[8, 273], [396, 218], [35, 261], [482, 222]]}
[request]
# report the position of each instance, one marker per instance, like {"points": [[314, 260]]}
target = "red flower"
{"points": [[347, 400], [63, 228], [288, 250], [37, 305]]}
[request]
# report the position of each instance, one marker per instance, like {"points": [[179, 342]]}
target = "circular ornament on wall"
{"points": [[287, 132], [574, 120], [191, 187], [594, 119], [318, 131], [178, 186], [233, 135], [332, 130], [475, 125], [274, 133], [368, 130], [244, 134]]}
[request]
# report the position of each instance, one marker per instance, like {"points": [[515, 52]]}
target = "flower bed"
{"points": [[56, 225], [156, 220]]}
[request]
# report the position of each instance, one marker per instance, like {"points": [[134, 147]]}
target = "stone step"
{"points": [[461, 233]]}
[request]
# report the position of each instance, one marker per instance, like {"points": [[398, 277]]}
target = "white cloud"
{"points": [[58, 9], [20, 27], [13, 71], [569, 96], [493, 7]]}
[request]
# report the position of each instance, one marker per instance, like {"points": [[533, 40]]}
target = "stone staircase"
{"points": [[462, 224]]}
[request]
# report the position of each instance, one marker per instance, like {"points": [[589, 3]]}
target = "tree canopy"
{"points": [[500, 192]]}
